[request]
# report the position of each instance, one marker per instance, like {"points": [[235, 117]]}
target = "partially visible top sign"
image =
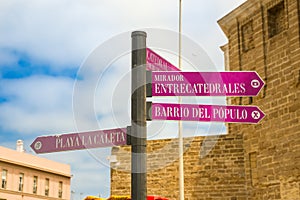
{"points": [[77, 141], [157, 63]]}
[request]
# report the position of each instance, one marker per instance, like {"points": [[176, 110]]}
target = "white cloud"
{"points": [[63, 32], [199, 20], [36, 104], [7, 58]]}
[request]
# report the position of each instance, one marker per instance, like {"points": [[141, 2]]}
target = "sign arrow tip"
{"points": [[36, 145]]}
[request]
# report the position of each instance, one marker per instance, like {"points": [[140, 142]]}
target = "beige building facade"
{"points": [[255, 161], [28, 177]]}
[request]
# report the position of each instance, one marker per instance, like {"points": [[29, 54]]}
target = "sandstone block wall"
{"points": [[264, 36], [219, 174]]}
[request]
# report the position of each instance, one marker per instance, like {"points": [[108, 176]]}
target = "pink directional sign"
{"points": [[157, 63], [206, 113], [77, 141], [246, 83]]}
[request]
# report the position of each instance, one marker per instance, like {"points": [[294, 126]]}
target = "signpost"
{"points": [[205, 113], [138, 130], [157, 63], [167, 80], [78, 141], [206, 83]]}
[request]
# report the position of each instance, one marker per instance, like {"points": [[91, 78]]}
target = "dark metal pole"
{"points": [[138, 117]]}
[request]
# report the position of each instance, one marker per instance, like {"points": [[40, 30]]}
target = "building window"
{"points": [[276, 19], [247, 36], [35, 183], [4, 179], [21, 182], [253, 168], [60, 189], [47, 187]]}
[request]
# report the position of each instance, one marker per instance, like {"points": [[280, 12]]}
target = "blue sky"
{"points": [[45, 47]]}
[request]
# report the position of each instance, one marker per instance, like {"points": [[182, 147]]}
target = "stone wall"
{"points": [[264, 36], [214, 169]]}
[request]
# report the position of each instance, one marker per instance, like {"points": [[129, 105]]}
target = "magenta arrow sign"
{"points": [[246, 83], [206, 113], [157, 63], [78, 141]]}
